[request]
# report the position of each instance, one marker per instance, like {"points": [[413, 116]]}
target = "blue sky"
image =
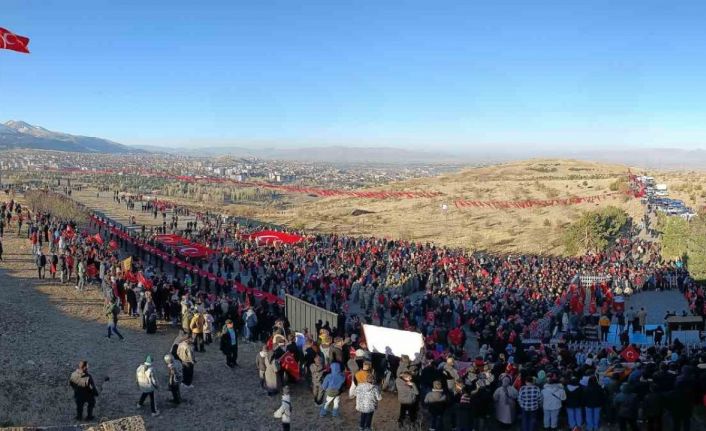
{"points": [[448, 75]]}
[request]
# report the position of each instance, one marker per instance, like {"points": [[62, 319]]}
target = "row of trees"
{"points": [[681, 240], [60, 206], [686, 241], [595, 230]]}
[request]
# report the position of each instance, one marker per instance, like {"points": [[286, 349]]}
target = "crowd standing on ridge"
{"points": [[532, 368]]}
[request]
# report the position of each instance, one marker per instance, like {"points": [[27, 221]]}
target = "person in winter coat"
{"points": [[367, 398], [553, 394], [362, 375], [450, 374], [653, 408], [174, 377], [273, 374], [593, 399], [626, 405], [436, 404], [407, 395], [196, 326], [260, 364], [463, 411], [229, 344], [185, 353], [332, 387], [284, 412], [574, 403], [316, 371], [147, 383], [112, 310], [85, 391], [505, 398]]}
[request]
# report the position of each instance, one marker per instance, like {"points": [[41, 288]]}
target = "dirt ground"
{"points": [[47, 327]]}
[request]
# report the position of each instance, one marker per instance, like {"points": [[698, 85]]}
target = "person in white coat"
{"points": [[147, 383], [553, 395]]}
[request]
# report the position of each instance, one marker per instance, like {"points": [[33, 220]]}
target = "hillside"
{"points": [[19, 134], [535, 229]]}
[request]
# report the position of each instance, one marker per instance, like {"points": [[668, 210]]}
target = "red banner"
{"points": [[12, 41], [271, 236], [531, 203]]}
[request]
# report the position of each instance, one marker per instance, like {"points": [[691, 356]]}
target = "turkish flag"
{"points": [[12, 41], [630, 354], [290, 365]]}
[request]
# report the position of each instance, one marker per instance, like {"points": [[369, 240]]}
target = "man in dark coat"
{"points": [[229, 344], [85, 391]]}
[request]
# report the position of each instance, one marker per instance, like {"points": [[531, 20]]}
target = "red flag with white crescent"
{"points": [[290, 365], [13, 42], [630, 354]]}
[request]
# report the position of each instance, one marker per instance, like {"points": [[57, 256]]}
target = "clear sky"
{"points": [[427, 74]]}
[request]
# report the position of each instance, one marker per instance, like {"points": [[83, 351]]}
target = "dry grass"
{"points": [[517, 230], [534, 230]]}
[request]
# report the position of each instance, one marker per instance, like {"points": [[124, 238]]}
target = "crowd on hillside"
{"points": [[443, 293]]}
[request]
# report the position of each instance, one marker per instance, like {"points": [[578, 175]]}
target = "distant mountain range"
{"points": [[18, 134]]}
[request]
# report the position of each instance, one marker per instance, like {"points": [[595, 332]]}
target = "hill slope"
{"points": [[507, 230], [19, 134]]}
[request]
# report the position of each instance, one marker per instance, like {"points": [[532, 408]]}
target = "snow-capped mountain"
{"points": [[19, 134]]}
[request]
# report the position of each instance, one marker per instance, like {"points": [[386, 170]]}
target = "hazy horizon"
{"points": [[449, 77]]}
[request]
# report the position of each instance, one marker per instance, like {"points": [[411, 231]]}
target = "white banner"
{"points": [[393, 341]]}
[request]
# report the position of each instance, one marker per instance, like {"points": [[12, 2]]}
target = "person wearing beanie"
{"points": [[147, 382], [284, 412], [174, 378]]}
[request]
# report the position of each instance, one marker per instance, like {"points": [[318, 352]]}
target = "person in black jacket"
{"points": [[229, 344], [41, 264], [85, 391], [574, 403], [436, 401], [593, 398]]}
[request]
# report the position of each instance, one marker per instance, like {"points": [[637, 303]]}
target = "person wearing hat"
{"points": [[229, 344], [174, 378], [147, 383]]}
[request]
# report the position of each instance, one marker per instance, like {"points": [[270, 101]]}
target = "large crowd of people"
{"points": [[533, 366]]}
